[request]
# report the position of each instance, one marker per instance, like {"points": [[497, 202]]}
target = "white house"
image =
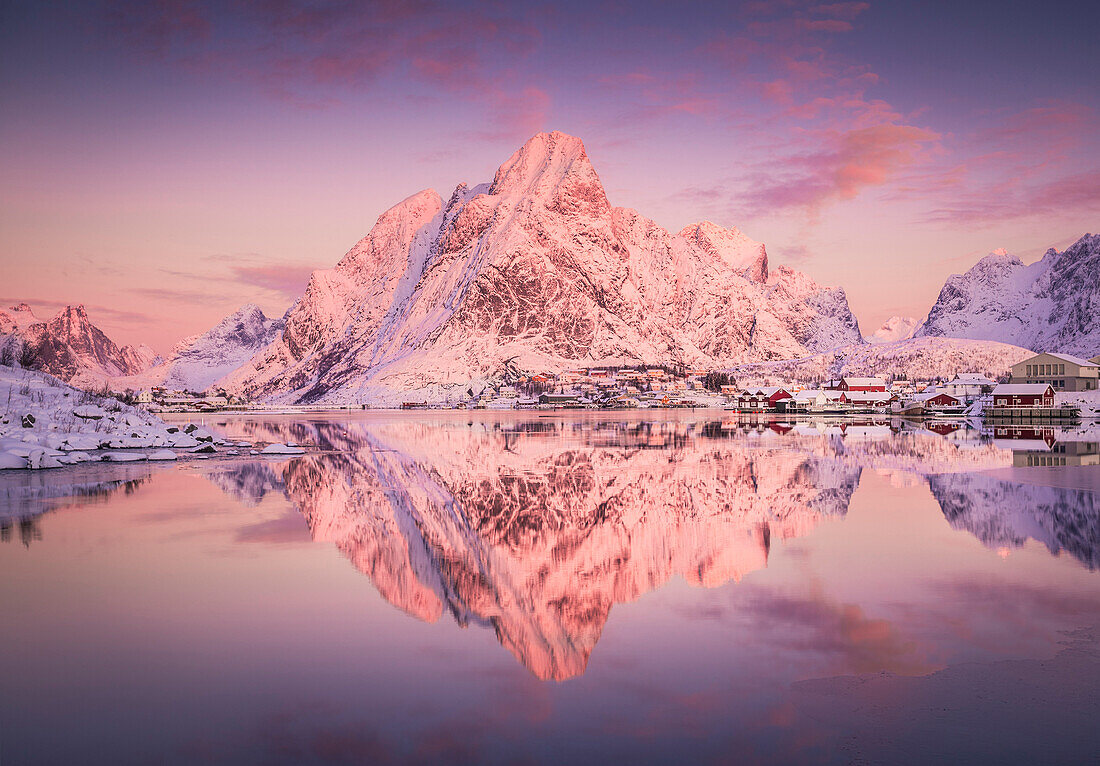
{"points": [[968, 387]]}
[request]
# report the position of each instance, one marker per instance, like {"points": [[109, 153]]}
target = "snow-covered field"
{"points": [[1087, 401], [46, 423], [918, 358]]}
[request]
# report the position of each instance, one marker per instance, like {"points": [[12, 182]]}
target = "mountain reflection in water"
{"points": [[538, 527]]}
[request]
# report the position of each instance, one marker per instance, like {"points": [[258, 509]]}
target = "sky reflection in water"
{"points": [[583, 590]]}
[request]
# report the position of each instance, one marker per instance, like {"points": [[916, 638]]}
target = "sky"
{"points": [[165, 162]]}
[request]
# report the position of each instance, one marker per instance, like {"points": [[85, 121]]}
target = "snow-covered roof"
{"points": [[973, 380], [925, 396], [865, 381], [1021, 388], [869, 396], [1072, 359], [1022, 445]]}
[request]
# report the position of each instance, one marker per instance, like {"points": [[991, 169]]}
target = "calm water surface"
{"points": [[512, 588]]}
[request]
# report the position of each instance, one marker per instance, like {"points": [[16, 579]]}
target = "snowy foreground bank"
{"points": [[45, 423]]}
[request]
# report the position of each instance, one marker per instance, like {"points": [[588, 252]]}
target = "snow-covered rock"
{"points": [[894, 329], [67, 426], [1050, 305], [533, 271], [916, 358]]}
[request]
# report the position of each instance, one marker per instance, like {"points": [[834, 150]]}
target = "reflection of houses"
{"points": [[1061, 371], [1061, 453]]}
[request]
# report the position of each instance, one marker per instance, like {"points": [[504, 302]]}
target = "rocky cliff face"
{"points": [[535, 270], [1050, 305], [70, 347]]}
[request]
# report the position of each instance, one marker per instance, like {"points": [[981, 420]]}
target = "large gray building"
{"points": [[1062, 371]]}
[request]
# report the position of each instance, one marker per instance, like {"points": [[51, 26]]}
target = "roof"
{"points": [[864, 381], [927, 395], [1068, 358], [1021, 388], [813, 393], [972, 379], [869, 396]]}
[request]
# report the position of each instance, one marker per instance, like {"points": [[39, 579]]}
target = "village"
{"points": [[1031, 391]]}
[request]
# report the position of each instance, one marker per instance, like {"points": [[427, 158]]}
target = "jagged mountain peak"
{"points": [[69, 346], [552, 168]]}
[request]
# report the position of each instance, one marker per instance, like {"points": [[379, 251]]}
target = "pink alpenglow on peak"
{"points": [[534, 271], [1049, 305], [69, 347]]}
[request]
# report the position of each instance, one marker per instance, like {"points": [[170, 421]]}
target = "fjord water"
{"points": [[520, 587]]}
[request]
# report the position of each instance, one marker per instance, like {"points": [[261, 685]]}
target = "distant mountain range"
{"points": [[68, 346], [197, 363], [536, 271], [894, 329], [1050, 305]]}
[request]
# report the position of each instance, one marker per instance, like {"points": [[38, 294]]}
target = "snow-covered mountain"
{"points": [[69, 347], [200, 361], [535, 270], [894, 329], [1050, 305]]}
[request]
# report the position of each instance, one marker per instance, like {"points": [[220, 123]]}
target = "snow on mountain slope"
{"points": [[534, 271], [917, 358], [70, 347], [1050, 305], [894, 329], [198, 362]]}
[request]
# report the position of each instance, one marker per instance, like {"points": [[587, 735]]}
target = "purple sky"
{"points": [[165, 162]]}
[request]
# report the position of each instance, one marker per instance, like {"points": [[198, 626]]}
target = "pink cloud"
{"points": [[287, 279], [851, 161]]}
